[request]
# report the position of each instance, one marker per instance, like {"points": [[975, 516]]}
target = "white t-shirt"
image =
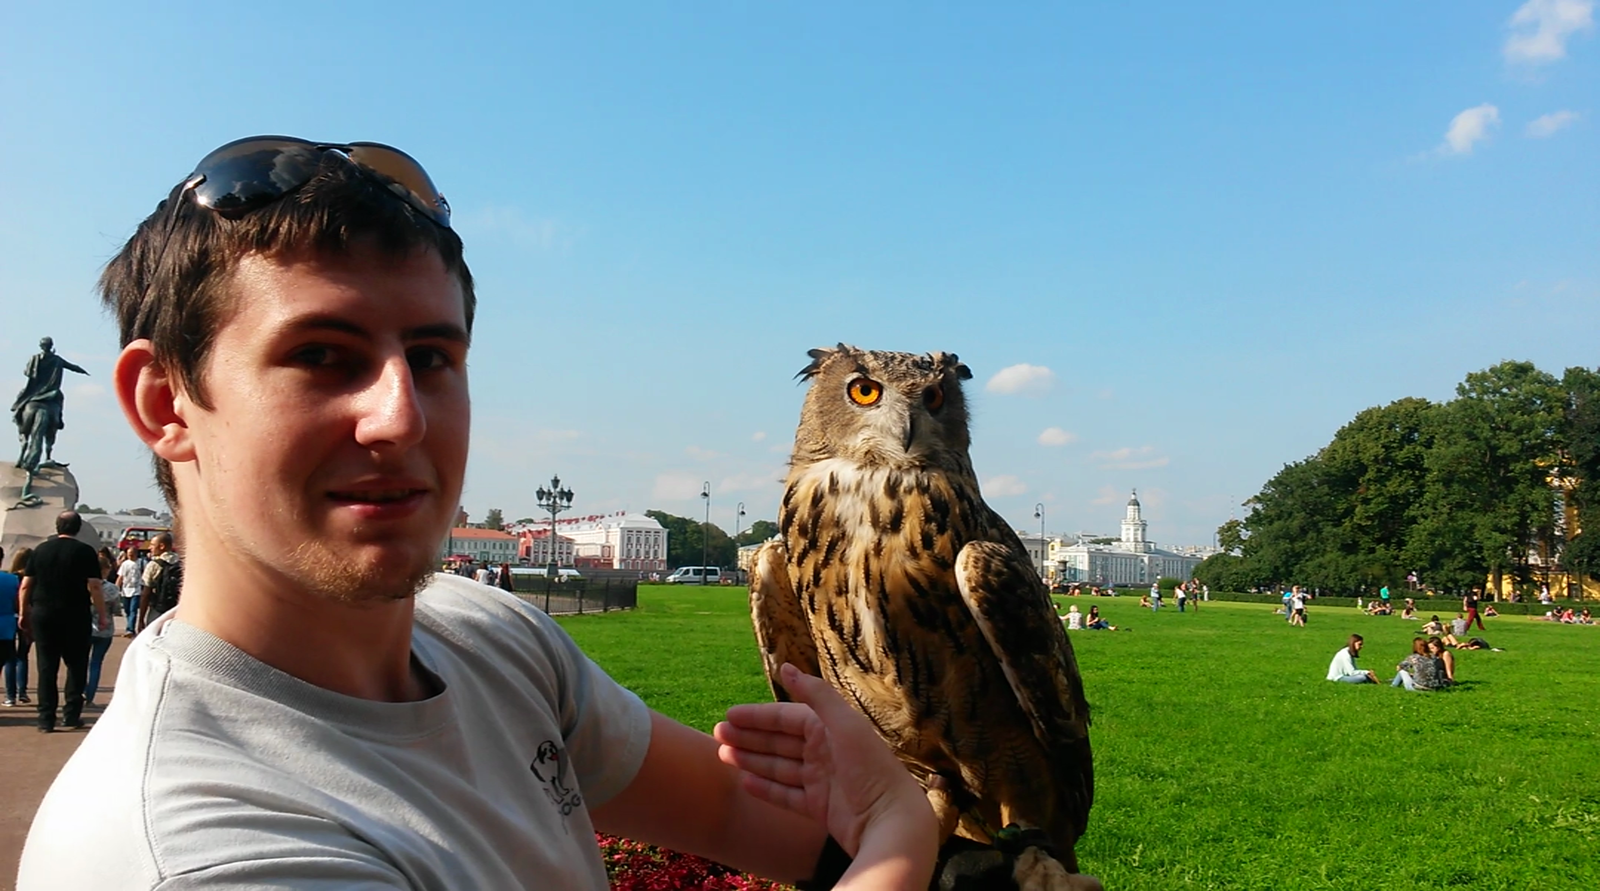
{"points": [[1074, 620], [213, 770], [129, 578], [483, 576]]}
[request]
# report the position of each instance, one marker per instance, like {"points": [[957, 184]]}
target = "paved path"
{"points": [[30, 761]]}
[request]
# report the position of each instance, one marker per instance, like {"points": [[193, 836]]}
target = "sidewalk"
{"points": [[31, 760]]}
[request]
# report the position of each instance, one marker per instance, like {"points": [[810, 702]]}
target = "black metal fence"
{"points": [[558, 597]]}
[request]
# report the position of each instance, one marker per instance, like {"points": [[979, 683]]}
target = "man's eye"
{"points": [[428, 359], [316, 356]]}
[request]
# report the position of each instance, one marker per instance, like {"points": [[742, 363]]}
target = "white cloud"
{"points": [[1540, 29], [1547, 125], [1055, 436], [1469, 128], [1130, 458], [758, 436], [1032, 380], [700, 454], [676, 487], [1107, 495], [1002, 486]]}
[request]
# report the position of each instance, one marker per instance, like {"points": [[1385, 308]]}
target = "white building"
{"points": [[614, 541], [1131, 560], [482, 545]]}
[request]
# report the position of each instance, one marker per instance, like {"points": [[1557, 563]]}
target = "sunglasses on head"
{"points": [[248, 174]]}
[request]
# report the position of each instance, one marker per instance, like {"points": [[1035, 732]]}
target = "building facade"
{"points": [[481, 545], [610, 541], [1131, 560]]}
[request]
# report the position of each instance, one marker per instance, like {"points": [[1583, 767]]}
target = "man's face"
{"points": [[333, 456]]}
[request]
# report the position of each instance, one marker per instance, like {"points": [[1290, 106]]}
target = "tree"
{"points": [[494, 519], [685, 536], [1231, 536], [1489, 495], [759, 531]]}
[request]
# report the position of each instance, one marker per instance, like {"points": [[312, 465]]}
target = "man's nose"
{"points": [[390, 409]]}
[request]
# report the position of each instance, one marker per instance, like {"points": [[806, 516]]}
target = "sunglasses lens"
{"points": [[414, 183], [250, 173]]}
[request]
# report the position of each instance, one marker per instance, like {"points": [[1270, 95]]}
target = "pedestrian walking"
{"points": [[130, 579], [60, 593], [10, 587], [16, 671], [100, 635], [1469, 608]]}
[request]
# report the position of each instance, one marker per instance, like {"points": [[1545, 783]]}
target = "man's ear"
{"points": [[153, 401]]}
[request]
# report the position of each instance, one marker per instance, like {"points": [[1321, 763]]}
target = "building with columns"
{"points": [[1131, 560], [610, 541]]}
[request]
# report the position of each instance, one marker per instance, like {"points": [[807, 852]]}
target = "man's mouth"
{"points": [[375, 496]]}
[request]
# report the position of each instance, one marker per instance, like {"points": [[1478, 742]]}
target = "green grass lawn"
{"points": [[1224, 760]]}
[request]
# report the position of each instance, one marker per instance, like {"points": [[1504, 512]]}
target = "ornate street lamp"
{"points": [[555, 500], [705, 531], [1038, 514], [738, 523]]}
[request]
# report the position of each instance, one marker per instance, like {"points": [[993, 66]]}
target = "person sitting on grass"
{"points": [[1489, 612], [1073, 618], [1584, 618], [1095, 623], [1343, 667], [1410, 612], [1459, 625], [1144, 601], [1433, 626], [1405, 674], [1447, 659]]}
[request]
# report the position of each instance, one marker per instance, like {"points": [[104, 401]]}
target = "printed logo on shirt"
{"points": [[550, 767]]}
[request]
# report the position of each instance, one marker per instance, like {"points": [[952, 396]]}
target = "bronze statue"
{"points": [[37, 411]]}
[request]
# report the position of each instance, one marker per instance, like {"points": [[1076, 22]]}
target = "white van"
{"points": [[695, 575]]}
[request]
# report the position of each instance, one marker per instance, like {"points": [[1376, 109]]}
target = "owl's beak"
{"points": [[911, 432]]}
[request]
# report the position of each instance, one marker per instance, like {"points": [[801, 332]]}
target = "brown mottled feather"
{"points": [[918, 603]]}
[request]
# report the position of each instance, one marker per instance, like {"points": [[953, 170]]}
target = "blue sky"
{"points": [[1211, 233]]}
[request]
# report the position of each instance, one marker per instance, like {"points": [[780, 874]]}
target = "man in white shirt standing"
{"points": [[130, 579], [1343, 667]]}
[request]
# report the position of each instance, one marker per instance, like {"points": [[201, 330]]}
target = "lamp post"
{"points": [[705, 530], [1038, 514], [555, 500], [738, 530]]}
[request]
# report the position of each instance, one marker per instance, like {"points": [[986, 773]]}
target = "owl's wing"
{"points": [[782, 630], [1019, 622]]}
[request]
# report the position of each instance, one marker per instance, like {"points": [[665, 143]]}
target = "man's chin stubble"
{"points": [[339, 579]]}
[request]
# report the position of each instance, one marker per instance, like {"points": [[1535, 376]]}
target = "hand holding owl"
{"points": [[819, 757]]}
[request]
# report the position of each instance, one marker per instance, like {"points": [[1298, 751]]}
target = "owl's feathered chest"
{"points": [[871, 556]]}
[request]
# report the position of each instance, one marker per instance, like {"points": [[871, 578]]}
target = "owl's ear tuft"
{"points": [[952, 362], [818, 356]]}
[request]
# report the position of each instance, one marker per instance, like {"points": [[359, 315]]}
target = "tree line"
{"points": [[1482, 487], [686, 534]]}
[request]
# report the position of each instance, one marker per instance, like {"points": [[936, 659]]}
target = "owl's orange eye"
{"points": [[865, 392], [933, 398]]}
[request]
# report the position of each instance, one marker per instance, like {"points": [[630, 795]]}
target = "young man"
{"points": [[162, 579], [60, 593], [1343, 667], [1469, 607], [130, 578], [321, 710]]}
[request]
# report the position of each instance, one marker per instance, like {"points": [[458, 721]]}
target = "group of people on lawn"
{"points": [[1429, 666]]}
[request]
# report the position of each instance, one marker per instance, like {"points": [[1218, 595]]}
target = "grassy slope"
{"points": [[1224, 760]]}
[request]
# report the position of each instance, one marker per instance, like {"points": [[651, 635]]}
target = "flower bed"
{"points": [[632, 866]]}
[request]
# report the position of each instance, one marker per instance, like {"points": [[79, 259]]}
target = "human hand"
{"points": [[821, 758]]}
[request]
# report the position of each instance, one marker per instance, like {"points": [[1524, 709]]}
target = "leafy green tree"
{"points": [[759, 531], [1489, 494], [685, 537], [1231, 536], [494, 519]]}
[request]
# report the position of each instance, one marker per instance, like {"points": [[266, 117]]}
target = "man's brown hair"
{"points": [[169, 282]]}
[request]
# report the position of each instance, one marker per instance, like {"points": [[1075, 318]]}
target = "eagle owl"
{"points": [[892, 580]]}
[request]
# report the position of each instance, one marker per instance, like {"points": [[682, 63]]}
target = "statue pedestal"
{"points": [[25, 527]]}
